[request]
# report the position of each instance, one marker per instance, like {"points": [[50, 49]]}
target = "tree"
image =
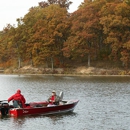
{"points": [[86, 31], [50, 32], [61, 3], [29, 21], [115, 21], [6, 53], [17, 43]]}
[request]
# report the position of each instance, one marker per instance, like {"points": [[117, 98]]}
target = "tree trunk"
{"points": [[52, 63], [89, 60], [19, 59], [19, 62], [31, 59]]}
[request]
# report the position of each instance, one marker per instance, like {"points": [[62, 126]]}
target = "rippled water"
{"points": [[104, 102]]}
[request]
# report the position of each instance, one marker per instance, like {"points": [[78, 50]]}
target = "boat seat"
{"points": [[69, 102], [61, 103], [61, 96]]}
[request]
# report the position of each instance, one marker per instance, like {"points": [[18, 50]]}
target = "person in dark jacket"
{"points": [[53, 99], [18, 100]]}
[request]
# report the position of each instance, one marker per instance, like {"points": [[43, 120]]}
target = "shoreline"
{"points": [[79, 71], [64, 75]]}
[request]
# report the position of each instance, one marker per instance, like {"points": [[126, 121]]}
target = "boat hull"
{"points": [[44, 110]]}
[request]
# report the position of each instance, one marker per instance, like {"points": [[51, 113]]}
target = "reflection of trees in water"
{"points": [[60, 117], [3, 117], [18, 122], [12, 123]]}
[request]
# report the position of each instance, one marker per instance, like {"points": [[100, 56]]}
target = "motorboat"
{"points": [[36, 108]]}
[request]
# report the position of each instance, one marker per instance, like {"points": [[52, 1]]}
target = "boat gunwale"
{"points": [[71, 106], [74, 102]]}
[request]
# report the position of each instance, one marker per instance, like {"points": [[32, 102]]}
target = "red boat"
{"points": [[35, 108], [42, 108]]}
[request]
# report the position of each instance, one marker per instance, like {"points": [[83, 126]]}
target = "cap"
{"points": [[53, 91], [18, 91]]}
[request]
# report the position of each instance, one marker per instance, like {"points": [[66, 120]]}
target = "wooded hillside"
{"points": [[49, 36]]}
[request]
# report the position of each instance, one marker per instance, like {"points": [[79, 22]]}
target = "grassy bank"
{"points": [[82, 70]]}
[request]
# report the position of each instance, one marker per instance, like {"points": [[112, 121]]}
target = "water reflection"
{"points": [[18, 122], [55, 118]]}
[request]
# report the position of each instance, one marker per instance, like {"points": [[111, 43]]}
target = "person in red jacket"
{"points": [[18, 100], [53, 99]]}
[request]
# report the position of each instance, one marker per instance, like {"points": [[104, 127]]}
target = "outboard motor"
{"points": [[4, 108]]}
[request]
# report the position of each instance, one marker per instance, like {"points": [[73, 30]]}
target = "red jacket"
{"points": [[51, 99], [18, 96]]}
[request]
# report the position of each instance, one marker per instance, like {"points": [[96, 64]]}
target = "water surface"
{"points": [[104, 102]]}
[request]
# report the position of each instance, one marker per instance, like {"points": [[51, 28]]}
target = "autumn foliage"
{"points": [[49, 36]]}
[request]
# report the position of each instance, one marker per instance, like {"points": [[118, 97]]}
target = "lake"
{"points": [[104, 102]]}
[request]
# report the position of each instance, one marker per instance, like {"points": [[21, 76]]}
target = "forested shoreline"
{"points": [[48, 36]]}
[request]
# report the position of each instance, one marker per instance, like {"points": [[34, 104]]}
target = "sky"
{"points": [[10, 10]]}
